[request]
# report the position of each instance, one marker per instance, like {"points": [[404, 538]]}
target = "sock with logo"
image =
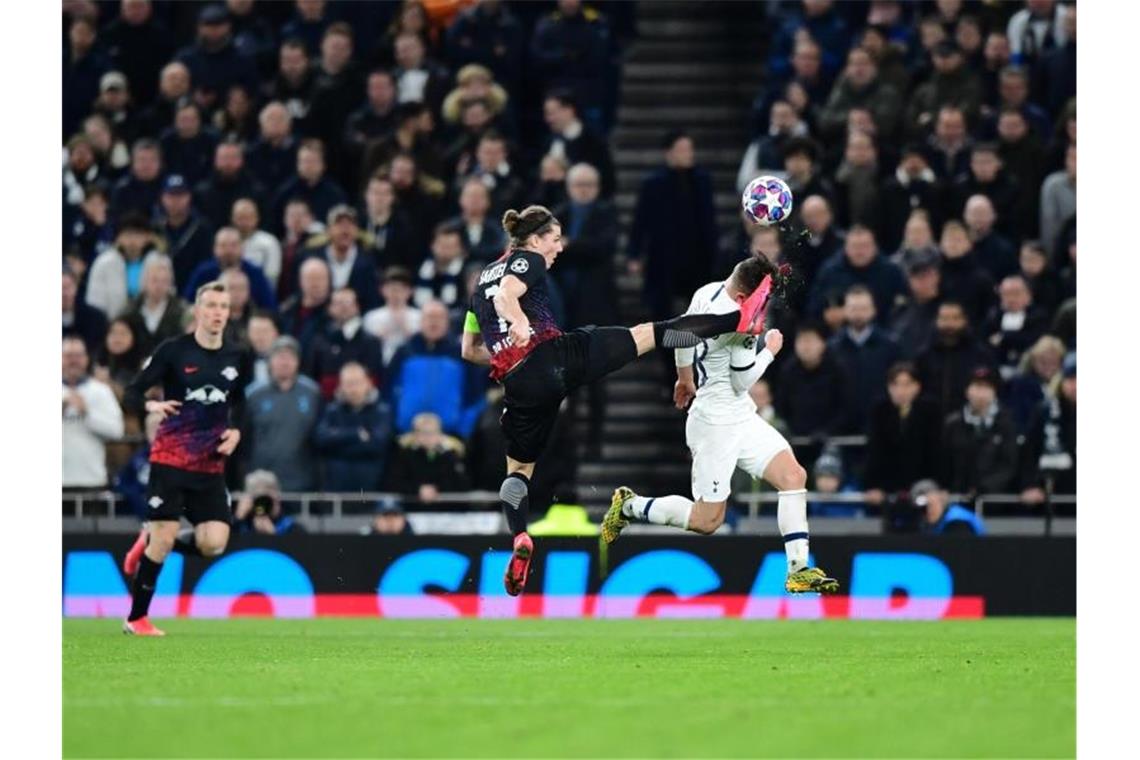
{"points": [[660, 510], [185, 543], [791, 517], [142, 590], [514, 498]]}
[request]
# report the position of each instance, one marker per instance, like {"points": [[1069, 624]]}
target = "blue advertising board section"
{"points": [[427, 576]]}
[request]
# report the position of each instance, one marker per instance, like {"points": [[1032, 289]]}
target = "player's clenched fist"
{"points": [[520, 333], [683, 393], [774, 341]]}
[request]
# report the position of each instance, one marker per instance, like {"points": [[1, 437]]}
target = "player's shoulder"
{"points": [[706, 294], [521, 261]]}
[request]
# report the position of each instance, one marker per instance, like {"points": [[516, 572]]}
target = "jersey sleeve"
{"points": [[237, 395], [152, 373], [526, 266], [471, 323]]}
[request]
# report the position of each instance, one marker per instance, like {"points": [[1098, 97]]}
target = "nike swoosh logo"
{"points": [[189, 370]]}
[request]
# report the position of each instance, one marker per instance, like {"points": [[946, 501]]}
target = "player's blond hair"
{"points": [[214, 286]]}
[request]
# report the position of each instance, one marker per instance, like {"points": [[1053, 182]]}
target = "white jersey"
{"points": [[717, 402]]}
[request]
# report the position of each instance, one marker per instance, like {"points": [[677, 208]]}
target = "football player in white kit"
{"points": [[724, 432]]}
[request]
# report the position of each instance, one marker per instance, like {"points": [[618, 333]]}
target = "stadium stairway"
{"points": [[695, 65]]}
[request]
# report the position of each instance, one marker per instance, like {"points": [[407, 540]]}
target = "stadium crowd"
{"points": [[342, 167]]}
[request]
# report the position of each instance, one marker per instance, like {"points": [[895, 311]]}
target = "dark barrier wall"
{"points": [[434, 576]]}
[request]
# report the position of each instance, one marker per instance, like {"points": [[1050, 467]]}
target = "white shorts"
{"points": [[719, 449]]}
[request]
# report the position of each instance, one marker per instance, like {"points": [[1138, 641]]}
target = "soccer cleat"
{"points": [[808, 580], [752, 308], [519, 566], [615, 520], [141, 627], [134, 555]]}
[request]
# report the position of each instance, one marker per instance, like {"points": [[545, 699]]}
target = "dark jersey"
{"points": [[529, 267], [210, 383]]}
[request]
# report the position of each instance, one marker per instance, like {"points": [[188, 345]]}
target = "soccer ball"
{"points": [[767, 200]]}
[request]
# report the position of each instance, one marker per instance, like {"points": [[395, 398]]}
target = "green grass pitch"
{"points": [[573, 688]]}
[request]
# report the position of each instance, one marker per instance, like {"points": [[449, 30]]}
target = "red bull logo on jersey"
{"points": [[207, 394]]}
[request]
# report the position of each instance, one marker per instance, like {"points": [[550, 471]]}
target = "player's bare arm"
{"points": [[511, 289], [472, 349], [685, 388]]}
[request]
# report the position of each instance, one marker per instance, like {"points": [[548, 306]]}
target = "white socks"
{"points": [[660, 510], [791, 517]]}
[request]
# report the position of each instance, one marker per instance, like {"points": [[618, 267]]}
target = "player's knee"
{"points": [[796, 478]]}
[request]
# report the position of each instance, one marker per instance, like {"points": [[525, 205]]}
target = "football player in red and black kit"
{"points": [[510, 328], [203, 379]]}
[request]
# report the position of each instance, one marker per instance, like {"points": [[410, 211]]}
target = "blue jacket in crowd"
{"points": [[354, 444]]}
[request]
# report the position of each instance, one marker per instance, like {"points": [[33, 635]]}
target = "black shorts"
{"points": [[551, 372], [173, 492]]}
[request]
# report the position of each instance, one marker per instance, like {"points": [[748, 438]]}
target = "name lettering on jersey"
{"points": [[505, 343], [230, 373], [494, 273], [207, 394]]}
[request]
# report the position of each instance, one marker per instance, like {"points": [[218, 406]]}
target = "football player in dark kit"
{"points": [[510, 328], [203, 378]]}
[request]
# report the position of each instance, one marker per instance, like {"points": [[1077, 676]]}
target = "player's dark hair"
{"points": [[532, 220], [748, 274], [902, 368]]}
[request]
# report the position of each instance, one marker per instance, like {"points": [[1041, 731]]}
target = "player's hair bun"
{"points": [[511, 221]]}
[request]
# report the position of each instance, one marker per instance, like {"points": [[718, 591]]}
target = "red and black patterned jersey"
{"points": [[529, 267], [210, 383]]}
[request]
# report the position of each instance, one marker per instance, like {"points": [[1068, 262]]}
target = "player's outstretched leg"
{"points": [[786, 474], [675, 511]]}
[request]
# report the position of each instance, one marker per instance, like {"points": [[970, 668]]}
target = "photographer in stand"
{"points": [[259, 508]]}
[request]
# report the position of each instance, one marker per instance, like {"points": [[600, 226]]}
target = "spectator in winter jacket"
{"points": [[944, 368], [214, 61], [765, 154], [87, 322], [860, 87], [490, 35], [824, 24], [343, 341], [864, 351], [427, 462], [337, 90], [173, 86], [823, 241], [157, 312], [216, 194], [272, 159], [1036, 380], [802, 170], [354, 434], [590, 239], [860, 264], [139, 190], [857, 198], [428, 375], [979, 442], [912, 323], [440, 277], [812, 389], [1051, 442], [948, 149], [1058, 201], [262, 333], [257, 246], [305, 314], [912, 186], [188, 144], [987, 176], [388, 227], [310, 184], [952, 84], [91, 417], [993, 251], [570, 50], [189, 235], [963, 279], [575, 142], [346, 253], [397, 320], [1014, 325], [280, 417], [1024, 156], [904, 436], [116, 274], [228, 255], [482, 236], [1043, 280]]}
